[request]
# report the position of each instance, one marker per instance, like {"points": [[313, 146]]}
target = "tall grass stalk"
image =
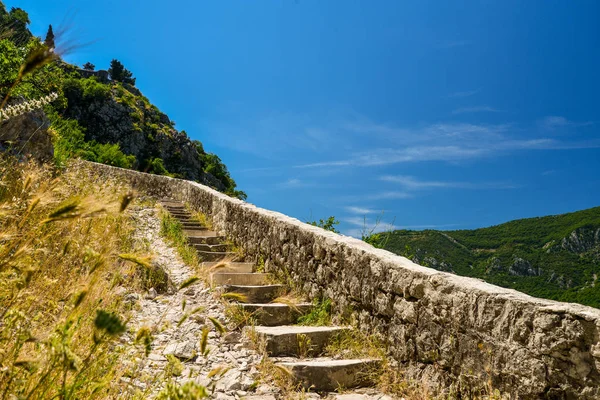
{"points": [[60, 241]]}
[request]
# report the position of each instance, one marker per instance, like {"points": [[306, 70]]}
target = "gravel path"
{"points": [[162, 313]]}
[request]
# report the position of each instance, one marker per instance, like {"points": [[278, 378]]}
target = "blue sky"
{"points": [[441, 114]]}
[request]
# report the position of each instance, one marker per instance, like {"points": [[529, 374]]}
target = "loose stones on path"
{"points": [[181, 339]]}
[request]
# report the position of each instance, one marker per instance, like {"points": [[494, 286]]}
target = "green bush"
{"points": [[10, 62], [157, 166], [70, 143], [328, 224], [111, 154]]}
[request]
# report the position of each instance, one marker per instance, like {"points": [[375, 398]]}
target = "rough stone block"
{"points": [[274, 314], [286, 340], [233, 278], [326, 374]]}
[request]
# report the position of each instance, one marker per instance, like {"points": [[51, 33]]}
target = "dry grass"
{"points": [[238, 316], [60, 241], [201, 218]]}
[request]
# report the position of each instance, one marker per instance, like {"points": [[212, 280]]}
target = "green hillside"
{"points": [[98, 114], [555, 257]]}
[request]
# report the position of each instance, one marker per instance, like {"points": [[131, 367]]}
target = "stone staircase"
{"points": [[296, 348]]}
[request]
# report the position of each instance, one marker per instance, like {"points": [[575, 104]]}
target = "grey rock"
{"points": [[151, 295], [184, 350], [27, 134], [232, 337], [230, 381]]}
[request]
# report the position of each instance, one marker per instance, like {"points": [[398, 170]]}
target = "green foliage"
{"points": [[157, 166], [89, 66], [556, 272], [49, 41], [320, 315], [214, 166], [173, 230], [109, 322], [188, 391], [119, 73], [11, 59], [111, 154], [328, 224], [70, 143], [13, 24]]}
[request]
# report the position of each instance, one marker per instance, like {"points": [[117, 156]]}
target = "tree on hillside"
{"points": [[119, 73], [49, 41], [328, 224], [89, 66], [14, 26]]}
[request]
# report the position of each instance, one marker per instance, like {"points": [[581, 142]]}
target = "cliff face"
{"points": [[27, 134], [110, 113]]}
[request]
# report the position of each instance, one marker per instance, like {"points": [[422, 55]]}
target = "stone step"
{"points": [[171, 203], [239, 278], [175, 212], [174, 208], [206, 239], [257, 294], [274, 314], [192, 224], [178, 210], [182, 217], [187, 220], [217, 255], [210, 247], [285, 340], [200, 233], [328, 375], [238, 267]]}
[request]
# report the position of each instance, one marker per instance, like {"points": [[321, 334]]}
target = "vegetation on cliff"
{"points": [[99, 115], [555, 257]]}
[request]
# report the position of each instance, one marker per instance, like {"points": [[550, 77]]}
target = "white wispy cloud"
{"points": [[411, 183], [356, 221], [475, 109], [360, 210], [446, 142], [467, 93], [314, 141], [389, 195], [553, 122], [292, 183]]}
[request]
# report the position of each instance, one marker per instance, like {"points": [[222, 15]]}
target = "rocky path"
{"points": [[177, 319]]}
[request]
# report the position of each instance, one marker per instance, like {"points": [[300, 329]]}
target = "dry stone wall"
{"points": [[459, 334]]}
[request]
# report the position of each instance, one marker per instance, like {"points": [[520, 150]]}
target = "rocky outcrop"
{"points": [[522, 267], [460, 334], [27, 135], [581, 240], [112, 114]]}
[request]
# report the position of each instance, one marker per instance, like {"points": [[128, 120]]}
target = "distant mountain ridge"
{"points": [[555, 257]]}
